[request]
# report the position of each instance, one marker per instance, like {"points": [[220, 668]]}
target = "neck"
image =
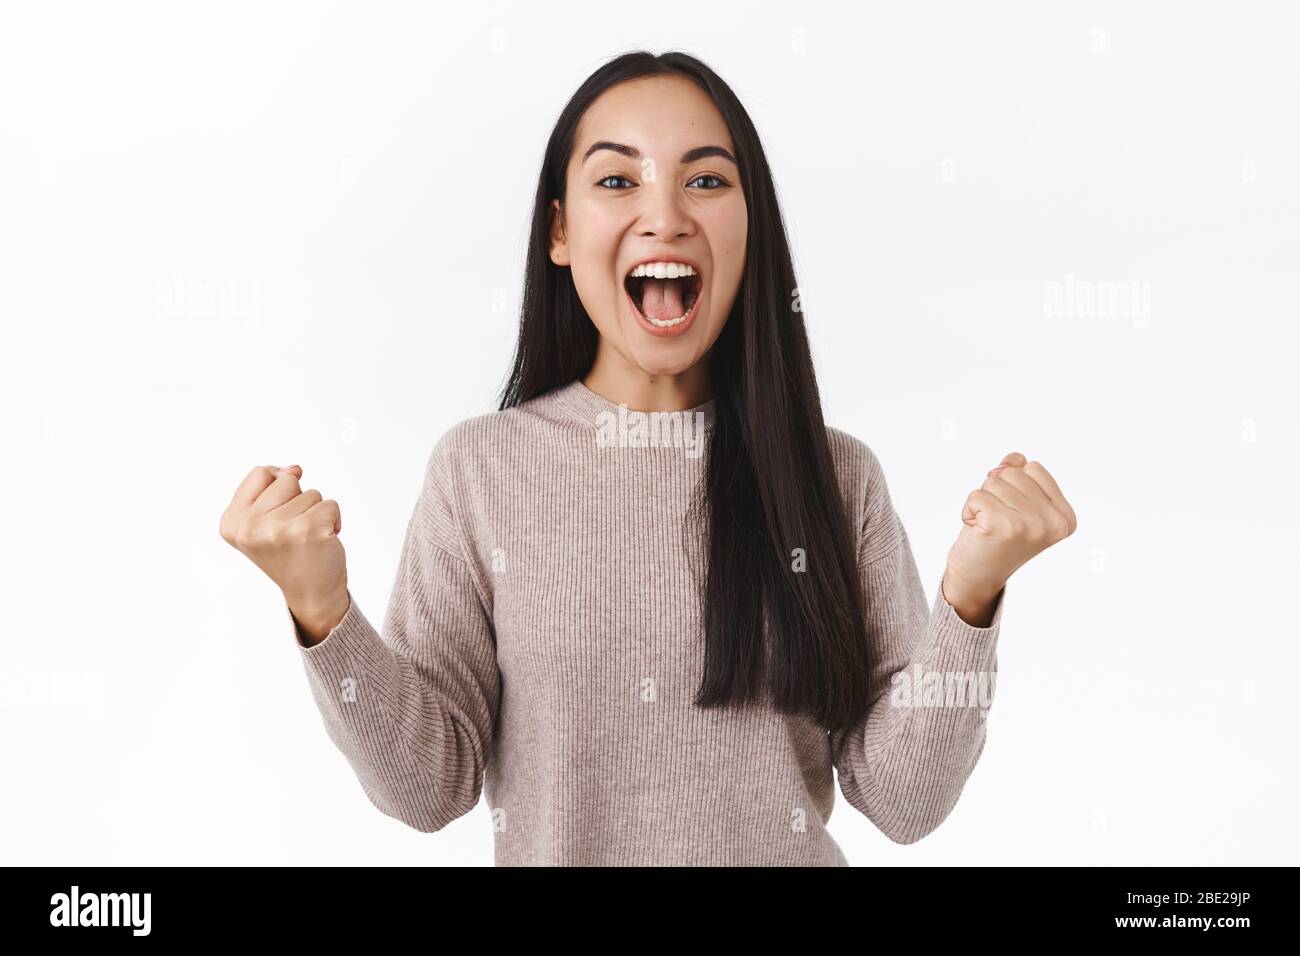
{"points": [[614, 378]]}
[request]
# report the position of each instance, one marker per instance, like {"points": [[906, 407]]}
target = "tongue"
{"points": [[661, 299]]}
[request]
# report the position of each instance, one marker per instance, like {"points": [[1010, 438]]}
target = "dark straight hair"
{"points": [[770, 485]]}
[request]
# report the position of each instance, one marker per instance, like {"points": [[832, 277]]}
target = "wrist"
{"points": [[971, 587], [317, 616], [973, 601]]}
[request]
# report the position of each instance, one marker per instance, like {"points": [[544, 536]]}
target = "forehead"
{"points": [[662, 116]]}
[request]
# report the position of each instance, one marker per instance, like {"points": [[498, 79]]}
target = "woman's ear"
{"points": [[559, 244]]}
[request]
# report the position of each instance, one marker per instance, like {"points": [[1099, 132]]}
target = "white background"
{"points": [[240, 234]]}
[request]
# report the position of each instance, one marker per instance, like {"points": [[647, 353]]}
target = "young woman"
{"points": [[653, 603]]}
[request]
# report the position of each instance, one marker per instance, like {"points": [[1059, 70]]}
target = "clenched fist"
{"points": [[1016, 513], [292, 535]]}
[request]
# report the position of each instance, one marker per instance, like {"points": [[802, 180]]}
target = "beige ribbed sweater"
{"points": [[544, 640]]}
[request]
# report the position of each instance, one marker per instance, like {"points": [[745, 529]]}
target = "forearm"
{"points": [[905, 764], [415, 752]]}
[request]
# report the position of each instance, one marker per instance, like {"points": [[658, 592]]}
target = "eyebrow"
{"points": [[690, 156]]}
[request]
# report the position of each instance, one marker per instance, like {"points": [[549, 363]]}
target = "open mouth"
{"points": [[664, 293]]}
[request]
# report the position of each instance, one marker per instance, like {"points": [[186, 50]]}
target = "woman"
{"points": [[649, 605]]}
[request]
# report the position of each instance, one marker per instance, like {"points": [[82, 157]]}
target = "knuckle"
{"points": [[245, 532], [231, 529]]}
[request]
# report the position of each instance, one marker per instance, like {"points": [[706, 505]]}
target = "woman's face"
{"points": [[652, 179]]}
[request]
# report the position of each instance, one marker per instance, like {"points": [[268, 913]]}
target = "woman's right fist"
{"points": [[292, 535]]}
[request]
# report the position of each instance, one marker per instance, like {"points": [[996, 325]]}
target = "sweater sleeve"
{"points": [[414, 711], [932, 678]]}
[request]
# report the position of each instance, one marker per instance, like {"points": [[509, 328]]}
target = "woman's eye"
{"points": [[614, 176], [718, 179]]}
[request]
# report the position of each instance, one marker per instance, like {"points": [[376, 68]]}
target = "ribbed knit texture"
{"points": [[544, 641]]}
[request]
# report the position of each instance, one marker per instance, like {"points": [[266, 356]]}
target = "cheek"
{"points": [[592, 249], [727, 234], [727, 244], [594, 224], [592, 268]]}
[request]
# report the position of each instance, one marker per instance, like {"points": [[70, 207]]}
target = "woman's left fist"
{"points": [[1017, 512]]}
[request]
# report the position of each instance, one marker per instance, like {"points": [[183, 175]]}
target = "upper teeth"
{"points": [[663, 270]]}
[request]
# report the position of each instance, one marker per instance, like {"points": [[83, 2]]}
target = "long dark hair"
{"points": [[771, 485]]}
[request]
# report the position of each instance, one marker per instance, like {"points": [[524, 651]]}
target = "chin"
{"points": [[662, 355], [673, 360]]}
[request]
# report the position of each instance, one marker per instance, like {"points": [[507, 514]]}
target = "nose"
{"points": [[664, 212]]}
